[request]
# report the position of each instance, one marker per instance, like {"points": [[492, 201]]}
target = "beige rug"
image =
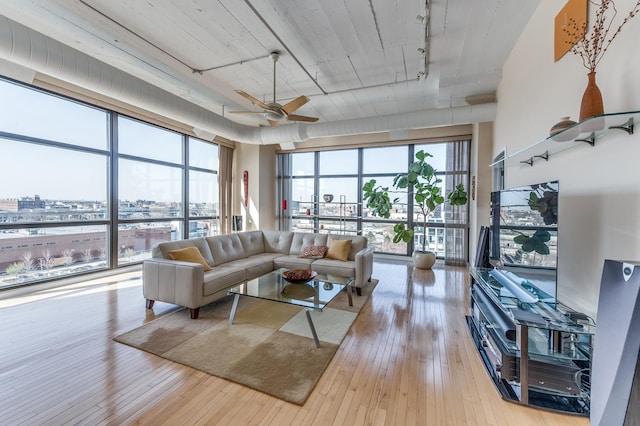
{"points": [[269, 347]]}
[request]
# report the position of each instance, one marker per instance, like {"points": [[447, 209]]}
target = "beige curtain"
{"points": [[457, 217], [225, 183]]}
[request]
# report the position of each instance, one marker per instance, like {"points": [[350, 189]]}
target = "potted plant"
{"points": [[421, 178]]}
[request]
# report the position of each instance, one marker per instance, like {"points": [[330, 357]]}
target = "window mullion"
{"points": [[112, 191]]}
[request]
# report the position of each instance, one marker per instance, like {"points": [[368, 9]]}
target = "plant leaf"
{"points": [[539, 246], [542, 235], [520, 239], [401, 182]]}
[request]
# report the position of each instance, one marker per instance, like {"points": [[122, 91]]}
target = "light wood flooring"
{"points": [[408, 359]]}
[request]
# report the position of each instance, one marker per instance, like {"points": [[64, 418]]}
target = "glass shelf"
{"points": [[586, 132], [574, 350], [537, 354], [545, 319], [551, 315]]}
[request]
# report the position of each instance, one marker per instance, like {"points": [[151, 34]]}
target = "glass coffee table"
{"points": [[312, 295]]}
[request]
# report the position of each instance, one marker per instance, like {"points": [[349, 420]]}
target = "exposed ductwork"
{"points": [[25, 47], [415, 120]]}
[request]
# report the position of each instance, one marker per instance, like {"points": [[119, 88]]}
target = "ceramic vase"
{"points": [[424, 259], [592, 102], [564, 130]]}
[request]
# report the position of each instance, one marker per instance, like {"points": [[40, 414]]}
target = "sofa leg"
{"points": [[359, 291], [150, 303], [194, 313]]}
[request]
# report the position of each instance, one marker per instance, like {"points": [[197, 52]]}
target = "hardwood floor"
{"points": [[408, 359]]}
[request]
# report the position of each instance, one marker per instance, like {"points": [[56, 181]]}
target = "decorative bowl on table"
{"points": [[298, 276]]}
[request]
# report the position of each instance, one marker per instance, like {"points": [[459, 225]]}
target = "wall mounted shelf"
{"points": [[585, 132]]}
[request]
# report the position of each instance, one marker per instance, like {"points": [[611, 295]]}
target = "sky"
{"points": [[28, 169]]}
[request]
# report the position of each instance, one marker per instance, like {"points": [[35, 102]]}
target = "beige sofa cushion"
{"points": [[254, 266], [225, 248], [304, 239], [222, 277], [277, 241], [334, 267], [252, 242], [292, 262]]}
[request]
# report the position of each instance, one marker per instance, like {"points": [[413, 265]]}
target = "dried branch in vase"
{"points": [[592, 46]]}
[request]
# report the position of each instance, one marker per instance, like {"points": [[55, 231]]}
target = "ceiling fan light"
{"points": [[271, 115]]}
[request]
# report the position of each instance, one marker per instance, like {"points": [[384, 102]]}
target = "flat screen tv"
{"points": [[524, 233]]}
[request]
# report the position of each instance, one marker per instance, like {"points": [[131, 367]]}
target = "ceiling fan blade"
{"points": [[293, 117], [253, 100], [244, 112], [293, 105], [274, 123]]}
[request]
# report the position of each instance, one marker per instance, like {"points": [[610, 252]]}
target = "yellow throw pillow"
{"points": [[190, 254], [339, 250]]}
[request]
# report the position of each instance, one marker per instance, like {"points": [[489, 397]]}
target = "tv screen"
{"points": [[524, 232]]}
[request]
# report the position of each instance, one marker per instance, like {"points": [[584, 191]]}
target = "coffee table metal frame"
{"points": [[272, 286]]}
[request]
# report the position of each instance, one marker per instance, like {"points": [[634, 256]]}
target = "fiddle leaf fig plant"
{"points": [[422, 178]]}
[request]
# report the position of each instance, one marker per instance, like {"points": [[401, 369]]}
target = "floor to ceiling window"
{"points": [[326, 195], [85, 189], [383, 164], [204, 192]]}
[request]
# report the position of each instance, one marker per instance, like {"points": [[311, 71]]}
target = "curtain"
{"points": [[456, 217], [283, 192], [225, 182]]}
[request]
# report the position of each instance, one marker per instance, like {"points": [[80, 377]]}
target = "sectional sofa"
{"points": [[214, 264]]}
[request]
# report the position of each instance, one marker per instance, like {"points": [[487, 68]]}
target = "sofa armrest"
{"points": [[364, 266], [173, 281]]}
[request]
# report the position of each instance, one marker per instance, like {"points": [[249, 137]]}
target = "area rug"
{"points": [[269, 347]]}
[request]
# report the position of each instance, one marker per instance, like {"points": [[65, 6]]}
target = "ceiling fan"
{"points": [[273, 111]]}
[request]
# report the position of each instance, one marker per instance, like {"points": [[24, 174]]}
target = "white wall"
{"points": [[599, 186], [479, 202], [259, 161]]}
